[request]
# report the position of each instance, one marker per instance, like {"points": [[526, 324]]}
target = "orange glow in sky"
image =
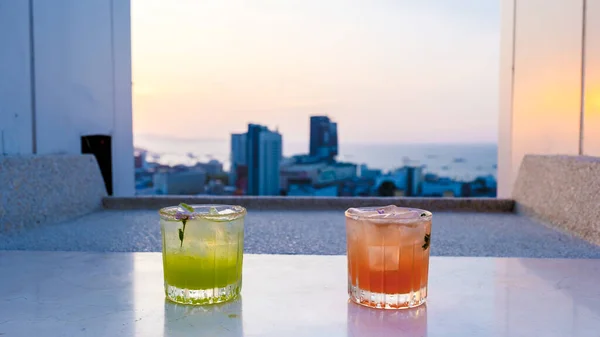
{"points": [[386, 71]]}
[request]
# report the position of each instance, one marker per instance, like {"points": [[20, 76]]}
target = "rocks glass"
{"points": [[202, 252], [388, 256]]}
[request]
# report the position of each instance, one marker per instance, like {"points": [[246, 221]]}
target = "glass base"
{"points": [[387, 301], [203, 296]]}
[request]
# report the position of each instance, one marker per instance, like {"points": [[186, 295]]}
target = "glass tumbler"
{"points": [[388, 256], [202, 249]]}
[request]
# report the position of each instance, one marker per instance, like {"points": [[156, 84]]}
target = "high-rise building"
{"points": [[333, 144], [180, 183], [238, 149], [323, 138], [263, 155], [316, 136], [238, 155]]}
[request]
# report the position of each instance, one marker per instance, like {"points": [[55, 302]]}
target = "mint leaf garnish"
{"points": [[427, 240], [187, 207], [184, 217]]}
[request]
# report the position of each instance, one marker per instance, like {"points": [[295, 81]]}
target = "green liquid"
{"points": [[201, 272], [209, 257]]}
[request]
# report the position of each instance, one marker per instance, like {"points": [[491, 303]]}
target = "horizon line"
{"points": [[306, 141]]}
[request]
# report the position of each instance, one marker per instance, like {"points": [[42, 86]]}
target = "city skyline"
{"points": [[461, 162], [390, 72], [258, 167], [301, 141]]}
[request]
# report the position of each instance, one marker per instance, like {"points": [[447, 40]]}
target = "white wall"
{"points": [[15, 79], [540, 102], [74, 72], [82, 79]]}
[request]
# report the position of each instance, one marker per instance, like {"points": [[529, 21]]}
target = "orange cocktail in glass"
{"points": [[388, 256]]}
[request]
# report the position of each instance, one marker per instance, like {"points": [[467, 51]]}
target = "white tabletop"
{"points": [[121, 294]]}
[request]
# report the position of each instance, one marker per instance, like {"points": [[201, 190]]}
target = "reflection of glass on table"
{"points": [[223, 320], [367, 322]]}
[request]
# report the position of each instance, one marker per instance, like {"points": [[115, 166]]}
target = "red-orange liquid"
{"points": [[388, 258]]}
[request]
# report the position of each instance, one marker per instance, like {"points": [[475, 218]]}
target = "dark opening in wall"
{"points": [[100, 146]]}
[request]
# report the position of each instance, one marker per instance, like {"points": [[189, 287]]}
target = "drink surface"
{"points": [[388, 257]]}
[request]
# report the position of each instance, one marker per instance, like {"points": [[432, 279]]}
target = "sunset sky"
{"points": [[393, 71]]}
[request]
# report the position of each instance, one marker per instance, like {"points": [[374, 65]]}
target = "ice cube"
{"points": [[390, 212], [226, 211], [220, 233], [384, 258]]}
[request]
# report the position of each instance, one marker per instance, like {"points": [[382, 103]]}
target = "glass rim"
{"points": [[424, 215], [169, 213]]}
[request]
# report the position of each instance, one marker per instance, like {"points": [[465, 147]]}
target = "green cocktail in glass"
{"points": [[203, 249]]}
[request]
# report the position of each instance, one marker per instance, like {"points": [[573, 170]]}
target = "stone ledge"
{"points": [[314, 203], [563, 191], [40, 189]]}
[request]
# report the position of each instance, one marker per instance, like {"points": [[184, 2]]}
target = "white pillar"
{"points": [[123, 165], [540, 101], [505, 99], [591, 125]]}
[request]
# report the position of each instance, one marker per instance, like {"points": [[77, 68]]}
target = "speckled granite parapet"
{"points": [[564, 191], [316, 203], [36, 190]]}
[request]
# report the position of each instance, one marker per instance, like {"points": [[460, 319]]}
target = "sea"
{"points": [[462, 162]]}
